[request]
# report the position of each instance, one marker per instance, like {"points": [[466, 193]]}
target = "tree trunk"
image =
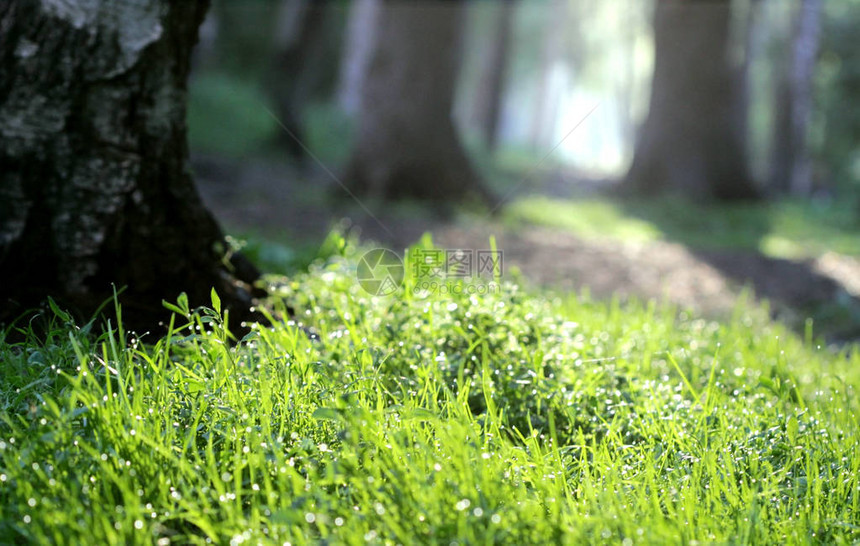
{"points": [[406, 143], [693, 140], [357, 51], [626, 89], [95, 188], [299, 60], [544, 120], [488, 106], [791, 163]]}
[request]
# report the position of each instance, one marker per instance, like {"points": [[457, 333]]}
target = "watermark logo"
{"points": [[380, 272], [459, 263]]}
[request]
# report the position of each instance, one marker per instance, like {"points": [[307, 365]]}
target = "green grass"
{"points": [[782, 229], [512, 417], [272, 252]]}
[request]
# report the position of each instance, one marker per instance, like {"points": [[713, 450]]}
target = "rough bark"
{"points": [[791, 162], [488, 103], [693, 140], [95, 187], [406, 143]]}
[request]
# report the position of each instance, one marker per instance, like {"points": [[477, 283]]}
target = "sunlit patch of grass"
{"points": [[815, 229], [782, 229], [511, 417], [587, 218]]}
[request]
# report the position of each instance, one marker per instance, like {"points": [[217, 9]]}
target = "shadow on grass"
{"points": [[771, 248]]}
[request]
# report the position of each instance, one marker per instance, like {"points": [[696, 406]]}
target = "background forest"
{"points": [[443, 272], [549, 101]]}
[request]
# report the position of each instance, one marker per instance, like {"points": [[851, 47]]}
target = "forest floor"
{"points": [[524, 416], [273, 200]]}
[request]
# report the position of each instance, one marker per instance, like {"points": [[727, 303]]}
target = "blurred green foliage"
{"points": [[329, 132], [227, 116], [245, 39], [838, 132]]}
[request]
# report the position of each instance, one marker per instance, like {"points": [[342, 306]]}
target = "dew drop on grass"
{"points": [[462, 505]]}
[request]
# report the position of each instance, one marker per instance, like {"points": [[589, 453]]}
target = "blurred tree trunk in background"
{"points": [[491, 86], [791, 163], [625, 89], [357, 49], [406, 144], [693, 140], [299, 50], [753, 32], [95, 185], [545, 99], [206, 50]]}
